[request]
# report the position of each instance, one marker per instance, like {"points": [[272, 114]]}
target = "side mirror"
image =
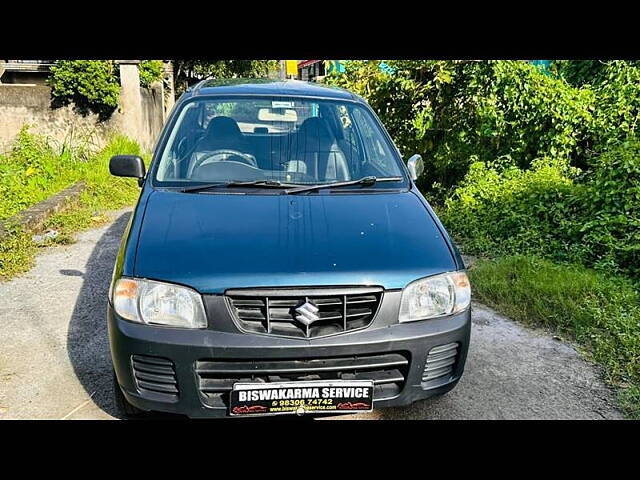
{"points": [[415, 166], [127, 166]]}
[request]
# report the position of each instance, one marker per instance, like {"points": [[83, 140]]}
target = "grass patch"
{"points": [[601, 313], [16, 253], [56, 170]]}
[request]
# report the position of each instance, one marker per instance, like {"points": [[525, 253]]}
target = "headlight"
{"points": [[435, 296], [158, 303]]}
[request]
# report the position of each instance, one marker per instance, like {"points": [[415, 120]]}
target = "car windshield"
{"points": [[298, 141]]}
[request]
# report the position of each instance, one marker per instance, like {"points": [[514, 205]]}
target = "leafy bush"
{"points": [[607, 232], [600, 312], [580, 72], [150, 71], [510, 211], [588, 72], [92, 85], [591, 218], [617, 108]]}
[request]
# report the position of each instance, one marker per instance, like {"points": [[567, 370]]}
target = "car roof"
{"points": [[243, 86]]}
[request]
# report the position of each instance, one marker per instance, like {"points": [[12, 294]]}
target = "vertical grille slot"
{"points": [[273, 312], [440, 362], [155, 374]]}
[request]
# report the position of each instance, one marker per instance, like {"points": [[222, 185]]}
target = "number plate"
{"points": [[301, 397]]}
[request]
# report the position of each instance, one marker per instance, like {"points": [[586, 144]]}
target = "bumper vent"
{"points": [[440, 362], [388, 371], [332, 311], [155, 374]]}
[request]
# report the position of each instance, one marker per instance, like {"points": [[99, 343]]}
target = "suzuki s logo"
{"points": [[307, 313]]}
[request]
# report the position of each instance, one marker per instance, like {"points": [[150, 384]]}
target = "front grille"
{"points": [[440, 362], [388, 371], [155, 374], [273, 311]]}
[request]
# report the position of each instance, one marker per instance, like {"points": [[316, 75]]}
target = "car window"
{"points": [[293, 140], [376, 149]]}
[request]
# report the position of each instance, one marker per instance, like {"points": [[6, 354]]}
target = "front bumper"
{"points": [[186, 347]]}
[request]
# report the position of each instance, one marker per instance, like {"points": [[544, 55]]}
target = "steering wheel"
{"points": [[245, 157]]}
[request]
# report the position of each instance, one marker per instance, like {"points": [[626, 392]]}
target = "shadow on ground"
{"points": [[87, 338]]}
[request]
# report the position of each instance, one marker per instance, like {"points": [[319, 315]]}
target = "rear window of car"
{"points": [[261, 116]]}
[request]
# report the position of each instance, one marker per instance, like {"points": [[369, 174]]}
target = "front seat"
{"points": [[223, 133], [315, 152]]}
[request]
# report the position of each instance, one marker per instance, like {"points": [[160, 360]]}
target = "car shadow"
{"points": [[87, 337]]}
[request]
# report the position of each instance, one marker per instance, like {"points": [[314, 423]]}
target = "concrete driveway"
{"points": [[55, 363]]}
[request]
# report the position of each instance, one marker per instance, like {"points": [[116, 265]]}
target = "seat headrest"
{"points": [[314, 134], [221, 129], [223, 126], [314, 127]]}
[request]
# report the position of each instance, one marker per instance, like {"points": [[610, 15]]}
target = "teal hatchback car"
{"points": [[281, 260]]}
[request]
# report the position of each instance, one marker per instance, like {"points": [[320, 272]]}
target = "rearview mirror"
{"points": [[277, 115], [127, 166], [415, 166]]}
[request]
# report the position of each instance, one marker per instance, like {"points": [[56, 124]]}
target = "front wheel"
{"points": [[123, 407]]}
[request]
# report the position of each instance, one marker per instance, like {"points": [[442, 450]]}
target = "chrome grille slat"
{"points": [[442, 355], [440, 362], [268, 311]]}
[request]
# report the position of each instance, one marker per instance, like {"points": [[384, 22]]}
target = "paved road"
{"points": [[55, 364]]}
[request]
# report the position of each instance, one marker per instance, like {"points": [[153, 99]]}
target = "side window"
{"points": [[376, 150], [349, 140]]}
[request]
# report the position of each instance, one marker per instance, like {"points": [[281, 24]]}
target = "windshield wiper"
{"points": [[361, 181], [251, 183]]}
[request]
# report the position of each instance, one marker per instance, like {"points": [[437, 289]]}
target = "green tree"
{"points": [[92, 85], [188, 72], [150, 71]]}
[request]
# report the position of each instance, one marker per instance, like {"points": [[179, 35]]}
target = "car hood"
{"points": [[213, 242]]}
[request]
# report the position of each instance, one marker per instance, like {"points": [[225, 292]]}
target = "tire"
{"points": [[123, 407]]}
